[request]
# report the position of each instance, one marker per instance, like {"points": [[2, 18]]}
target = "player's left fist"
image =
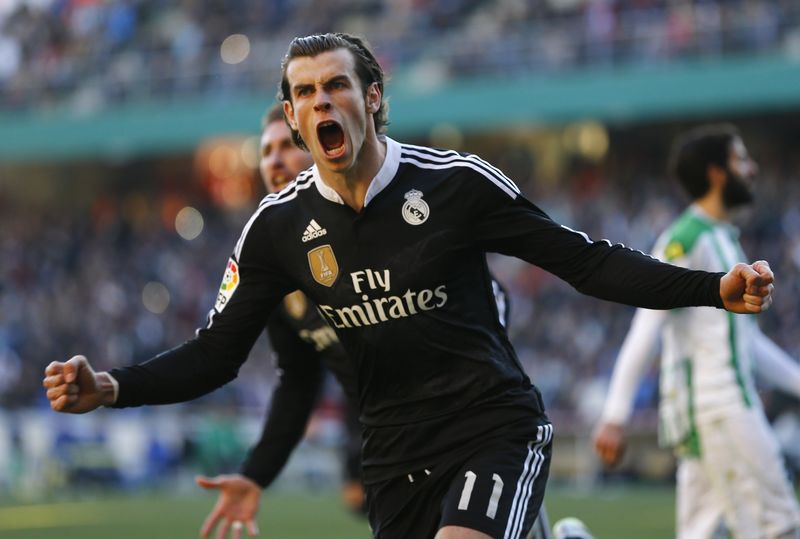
{"points": [[748, 288]]}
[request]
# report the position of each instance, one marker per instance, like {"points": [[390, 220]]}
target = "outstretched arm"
{"points": [[507, 223], [252, 286]]}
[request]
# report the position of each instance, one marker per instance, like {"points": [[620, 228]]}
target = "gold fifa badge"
{"points": [[324, 267]]}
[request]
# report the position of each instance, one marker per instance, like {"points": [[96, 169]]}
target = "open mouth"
{"points": [[331, 138]]}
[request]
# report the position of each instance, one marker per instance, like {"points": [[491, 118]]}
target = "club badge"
{"points": [[324, 267], [229, 283], [415, 210]]}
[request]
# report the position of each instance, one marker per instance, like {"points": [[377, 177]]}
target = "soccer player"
{"points": [[303, 343], [389, 241], [730, 467]]}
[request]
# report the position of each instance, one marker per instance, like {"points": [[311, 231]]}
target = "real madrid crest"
{"points": [[415, 210]]}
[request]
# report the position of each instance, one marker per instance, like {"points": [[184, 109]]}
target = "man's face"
{"points": [[281, 161], [329, 109], [741, 172]]}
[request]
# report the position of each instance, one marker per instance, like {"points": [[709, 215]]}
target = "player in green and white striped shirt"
{"points": [[730, 468]]}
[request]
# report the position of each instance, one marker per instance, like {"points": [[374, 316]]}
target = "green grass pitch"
{"points": [[620, 513]]}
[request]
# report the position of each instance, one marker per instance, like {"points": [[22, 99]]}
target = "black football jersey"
{"points": [[405, 285]]}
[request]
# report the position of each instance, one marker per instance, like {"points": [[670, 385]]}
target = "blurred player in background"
{"points": [[304, 343], [730, 466], [456, 441]]}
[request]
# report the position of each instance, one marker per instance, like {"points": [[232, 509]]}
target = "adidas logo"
{"points": [[313, 231]]}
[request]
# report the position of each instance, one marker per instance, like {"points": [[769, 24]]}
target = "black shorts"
{"points": [[496, 487]]}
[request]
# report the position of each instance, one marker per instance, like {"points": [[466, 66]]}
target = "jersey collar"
{"points": [[384, 177]]}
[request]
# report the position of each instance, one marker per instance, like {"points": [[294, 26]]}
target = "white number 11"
{"points": [[466, 493]]}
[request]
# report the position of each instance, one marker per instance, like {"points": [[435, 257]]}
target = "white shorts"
{"points": [[738, 481]]}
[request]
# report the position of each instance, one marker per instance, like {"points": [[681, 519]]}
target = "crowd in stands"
{"points": [[95, 53]]}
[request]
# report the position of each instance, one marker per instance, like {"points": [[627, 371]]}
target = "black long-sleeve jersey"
{"points": [[405, 285]]}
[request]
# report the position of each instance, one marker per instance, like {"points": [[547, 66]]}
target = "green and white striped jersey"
{"points": [[706, 363]]}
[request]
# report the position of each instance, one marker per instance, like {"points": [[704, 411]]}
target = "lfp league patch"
{"points": [[229, 283]]}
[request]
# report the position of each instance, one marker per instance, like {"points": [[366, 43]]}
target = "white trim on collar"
{"points": [[384, 177], [324, 189], [387, 172]]}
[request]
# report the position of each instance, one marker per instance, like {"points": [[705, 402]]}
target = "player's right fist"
{"points": [[74, 387]]}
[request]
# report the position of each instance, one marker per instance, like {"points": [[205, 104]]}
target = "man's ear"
{"points": [[288, 112], [373, 98]]}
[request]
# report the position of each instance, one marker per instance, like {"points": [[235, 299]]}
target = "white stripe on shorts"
{"points": [[530, 471]]}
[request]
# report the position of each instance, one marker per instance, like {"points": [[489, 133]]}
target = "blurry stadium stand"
{"points": [[635, 93], [126, 78]]}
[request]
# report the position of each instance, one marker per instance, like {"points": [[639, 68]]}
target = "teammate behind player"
{"points": [[281, 159], [456, 441], [730, 467], [303, 344]]}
